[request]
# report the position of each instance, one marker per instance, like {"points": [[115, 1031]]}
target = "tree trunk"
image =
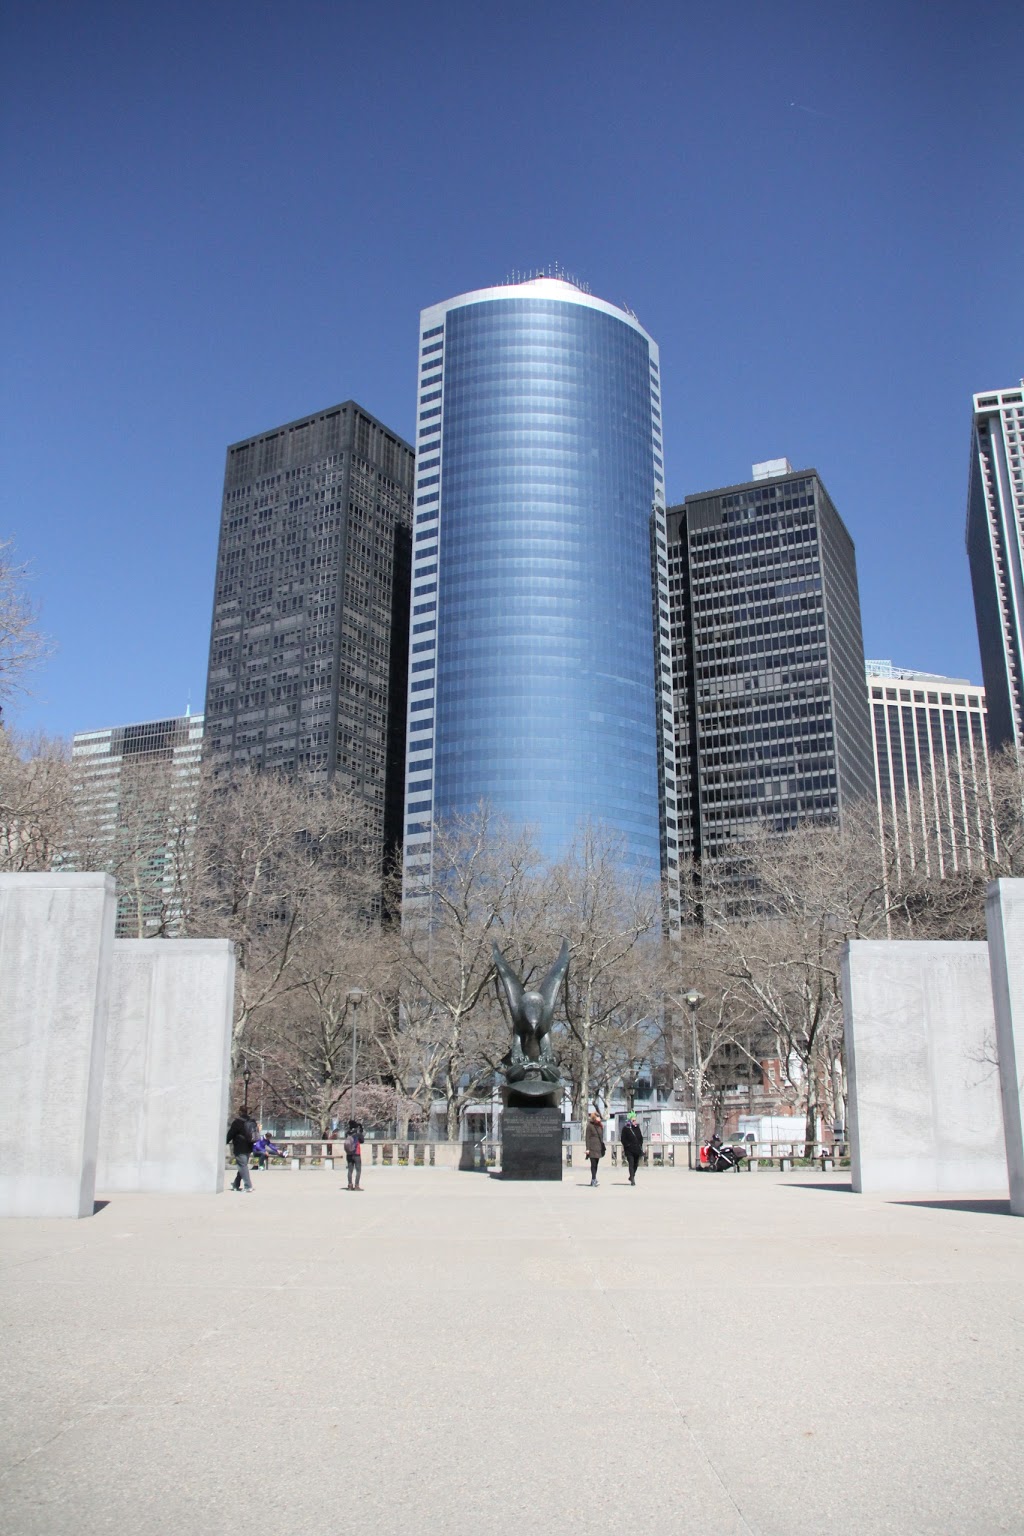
{"points": [[811, 1118], [585, 1079]]}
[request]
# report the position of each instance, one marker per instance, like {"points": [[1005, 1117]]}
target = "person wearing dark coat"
{"points": [[594, 1144], [241, 1134], [354, 1154], [632, 1138]]}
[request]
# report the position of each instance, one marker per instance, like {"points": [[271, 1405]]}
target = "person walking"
{"points": [[354, 1154], [632, 1138], [242, 1134], [595, 1144]]}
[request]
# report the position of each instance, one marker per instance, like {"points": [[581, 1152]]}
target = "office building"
{"points": [[931, 766], [995, 550], [136, 790], [309, 639], [770, 700], [536, 683]]}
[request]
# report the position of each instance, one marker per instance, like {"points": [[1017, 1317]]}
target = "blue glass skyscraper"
{"points": [[540, 675]]}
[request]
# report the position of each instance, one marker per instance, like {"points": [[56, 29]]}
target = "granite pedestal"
{"points": [[531, 1142], [1004, 912], [56, 939]]}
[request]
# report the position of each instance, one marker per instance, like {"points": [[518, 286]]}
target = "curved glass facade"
{"points": [[534, 532]]}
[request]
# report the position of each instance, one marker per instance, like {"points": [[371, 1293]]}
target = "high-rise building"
{"points": [[995, 550], [309, 639], [771, 706], [136, 786], [538, 682], [931, 764]]}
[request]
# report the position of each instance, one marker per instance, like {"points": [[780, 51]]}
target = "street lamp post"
{"points": [[693, 1000], [246, 1074], [355, 997]]}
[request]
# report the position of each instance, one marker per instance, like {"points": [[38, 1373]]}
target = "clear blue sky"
{"points": [[221, 216]]}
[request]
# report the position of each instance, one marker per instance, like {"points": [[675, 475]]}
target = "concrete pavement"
{"points": [[721, 1355]]}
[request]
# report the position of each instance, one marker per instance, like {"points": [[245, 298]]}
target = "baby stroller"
{"points": [[716, 1156]]}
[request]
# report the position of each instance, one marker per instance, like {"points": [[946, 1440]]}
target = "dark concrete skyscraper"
{"points": [[995, 549], [536, 683], [771, 703], [308, 648]]}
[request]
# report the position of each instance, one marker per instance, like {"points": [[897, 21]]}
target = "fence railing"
{"points": [[481, 1155]]}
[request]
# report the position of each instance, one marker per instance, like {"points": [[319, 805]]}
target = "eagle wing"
{"points": [[513, 986], [554, 978]]}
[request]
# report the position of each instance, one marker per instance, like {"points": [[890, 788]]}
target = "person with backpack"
{"points": [[354, 1154], [242, 1133], [632, 1138]]}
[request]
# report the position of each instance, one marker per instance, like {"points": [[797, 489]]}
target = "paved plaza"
{"points": [[711, 1355]]}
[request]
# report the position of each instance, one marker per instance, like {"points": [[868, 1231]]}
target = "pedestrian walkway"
{"points": [[698, 1356]]}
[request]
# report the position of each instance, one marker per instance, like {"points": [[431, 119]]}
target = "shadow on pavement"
{"points": [[99, 1205], [973, 1207], [834, 1189]]}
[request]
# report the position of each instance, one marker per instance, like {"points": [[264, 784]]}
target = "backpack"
{"points": [[351, 1145]]}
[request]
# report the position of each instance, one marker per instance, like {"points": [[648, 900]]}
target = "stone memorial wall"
{"points": [[925, 1111], [165, 1085], [1004, 912], [115, 1054], [56, 943]]}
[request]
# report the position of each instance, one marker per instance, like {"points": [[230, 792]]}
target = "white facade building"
{"points": [[137, 826], [931, 763]]}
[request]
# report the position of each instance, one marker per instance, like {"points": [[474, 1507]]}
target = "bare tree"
{"points": [[780, 910], [632, 1045], [611, 916], [36, 803], [474, 895], [705, 1045], [340, 982], [21, 644], [270, 855]]}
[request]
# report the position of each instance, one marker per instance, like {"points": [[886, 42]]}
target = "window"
{"points": [[437, 330]]}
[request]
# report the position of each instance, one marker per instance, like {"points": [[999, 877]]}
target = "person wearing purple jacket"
{"points": [[264, 1148]]}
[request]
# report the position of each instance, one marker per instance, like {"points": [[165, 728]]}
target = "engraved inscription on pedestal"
{"points": [[531, 1142]]}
